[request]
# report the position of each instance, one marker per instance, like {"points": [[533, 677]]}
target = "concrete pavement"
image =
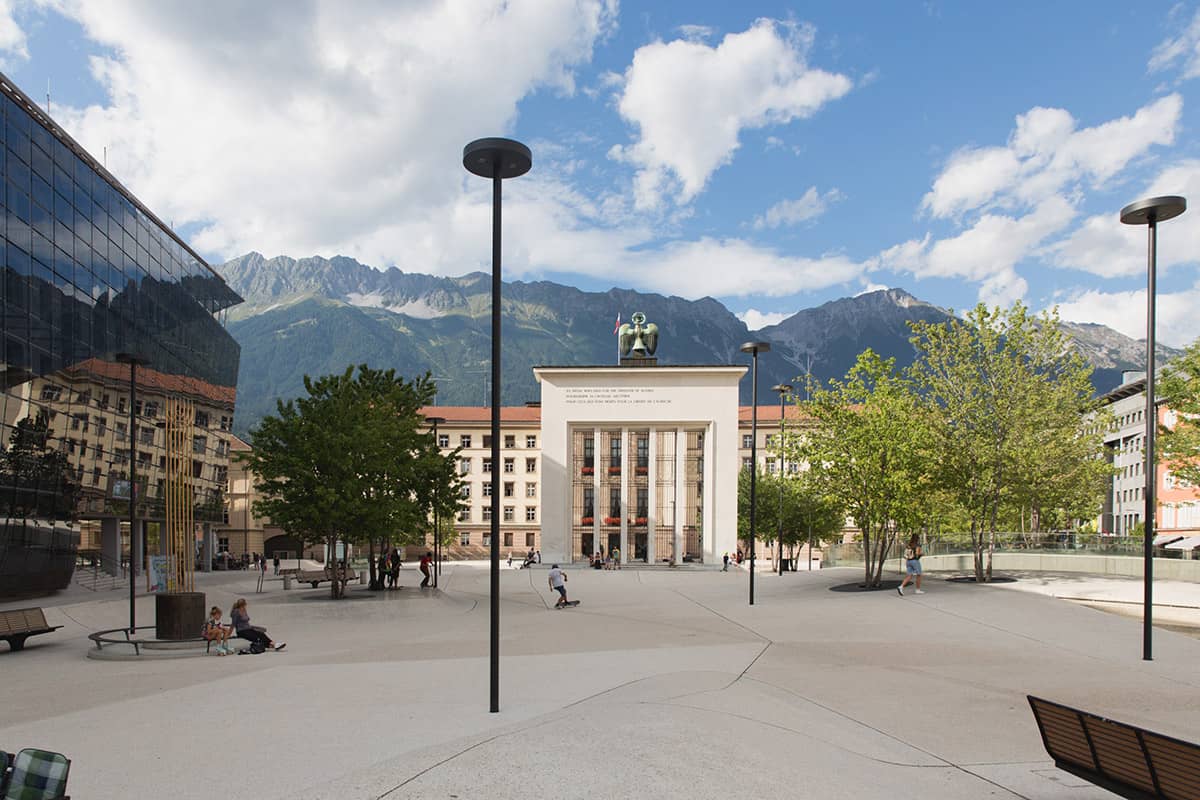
{"points": [[660, 683]]}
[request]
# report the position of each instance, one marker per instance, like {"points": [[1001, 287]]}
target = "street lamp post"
{"points": [[783, 389], [437, 530], [1149, 213], [754, 348], [134, 361], [496, 159]]}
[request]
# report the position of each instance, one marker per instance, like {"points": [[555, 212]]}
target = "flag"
{"points": [[617, 326]]}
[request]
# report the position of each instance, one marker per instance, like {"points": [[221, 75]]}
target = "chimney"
{"points": [[1128, 376]]}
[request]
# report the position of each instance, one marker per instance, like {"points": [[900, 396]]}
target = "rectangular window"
{"points": [[443, 440], [531, 515], [589, 502], [151, 408], [121, 430], [487, 441], [101, 424], [643, 501], [643, 452], [226, 423], [531, 490], [614, 453], [614, 501], [122, 405], [464, 540], [508, 539], [530, 465], [747, 441], [508, 513], [510, 441], [464, 440], [510, 465], [222, 447], [98, 452], [201, 419], [487, 489], [529, 539], [746, 462], [487, 540], [220, 474], [199, 444], [531, 442], [487, 465], [145, 434], [144, 458], [120, 456], [771, 465], [464, 466], [197, 469], [487, 513], [464, 515], [589, 451], [508, 489], [464, 491], [51, 393]]}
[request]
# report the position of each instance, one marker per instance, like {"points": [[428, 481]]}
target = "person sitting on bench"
{"points": [[254, 633], [217, 631]]}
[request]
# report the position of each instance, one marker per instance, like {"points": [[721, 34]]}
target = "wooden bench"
{"points": [[319, 576], [1128, 761], [17, 626]]}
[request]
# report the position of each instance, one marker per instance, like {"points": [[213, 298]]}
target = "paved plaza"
{"points": [[661, 684]]}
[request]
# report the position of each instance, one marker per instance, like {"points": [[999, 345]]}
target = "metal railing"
{"points": [[851, 553], [98, 572]]}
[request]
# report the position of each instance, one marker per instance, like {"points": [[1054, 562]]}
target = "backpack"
{"points": [[257, 647], [910, 553]]}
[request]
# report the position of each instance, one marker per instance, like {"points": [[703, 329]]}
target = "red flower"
{"points": [[614, 470], [587, 521], [612, 520], [589, 471]]}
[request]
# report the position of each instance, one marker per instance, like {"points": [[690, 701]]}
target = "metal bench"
{"points": [[1128, 761], [17, 626]]}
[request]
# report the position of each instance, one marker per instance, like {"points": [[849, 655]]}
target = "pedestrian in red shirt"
{"points": [[426, 560]]}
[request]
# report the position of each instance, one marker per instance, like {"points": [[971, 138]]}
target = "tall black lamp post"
{"points": [[754, 348], [437, 531], [134, 361], [1150, 212], [496, 159], [783, 389]]}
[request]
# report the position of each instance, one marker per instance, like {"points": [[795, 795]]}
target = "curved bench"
{"points": [[121, 636]]}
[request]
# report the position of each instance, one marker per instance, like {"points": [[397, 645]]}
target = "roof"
{"points": [[151, 379], [474, 414], [1123, 391], [770, 413]]}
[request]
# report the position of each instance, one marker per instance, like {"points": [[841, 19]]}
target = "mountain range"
{"points": [[315, 316]]}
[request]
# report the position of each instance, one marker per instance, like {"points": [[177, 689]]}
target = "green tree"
{"points": [[867, 449], [1179, 389], [1008, 404], [37, 474], [351, 460]]}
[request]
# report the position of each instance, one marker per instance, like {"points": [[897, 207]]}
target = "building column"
{"points": [[206, 546], [651, 496], [680, 496], [137, 546], [710, 535], [625, 495], [110, 545], [597, 460]]}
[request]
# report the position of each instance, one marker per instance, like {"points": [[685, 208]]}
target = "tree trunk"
{"points": [[371, 565], [977, 549], [867, 554], [331, 565]]}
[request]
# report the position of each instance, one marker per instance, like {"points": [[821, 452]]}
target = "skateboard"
{"points": [[569, 603]]}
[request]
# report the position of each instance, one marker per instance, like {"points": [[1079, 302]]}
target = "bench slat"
{"points": [[1064, 736], [1177, 766]]}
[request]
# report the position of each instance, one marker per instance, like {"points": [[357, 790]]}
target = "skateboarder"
{"points": [[558, 583], [426, 561]]}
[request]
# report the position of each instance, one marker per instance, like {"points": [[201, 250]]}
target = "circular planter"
{"points": [[179, 616]]}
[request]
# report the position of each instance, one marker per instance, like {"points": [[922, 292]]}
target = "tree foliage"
{"points": [[1007, 403], [351, 462], [1179, 389], [868, 447]]}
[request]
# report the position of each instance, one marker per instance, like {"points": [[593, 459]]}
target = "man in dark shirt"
{"points": [[426, 560]]}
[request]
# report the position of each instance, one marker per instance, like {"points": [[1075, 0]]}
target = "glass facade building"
{"points": [[90, 272]]}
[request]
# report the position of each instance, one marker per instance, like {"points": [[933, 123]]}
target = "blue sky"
{"points": [[771, 155]]}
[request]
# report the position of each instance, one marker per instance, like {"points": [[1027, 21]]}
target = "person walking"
{"points": [[725, 563], [276, 563], [558, 583], [616, 557], [912, 565], [426, 560]]}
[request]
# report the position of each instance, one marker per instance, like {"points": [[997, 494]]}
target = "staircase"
{"points": [[101, 573]]}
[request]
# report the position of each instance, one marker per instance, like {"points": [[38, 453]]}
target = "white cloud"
{"points": [[12, 36], [691, 101], [792, 212], [986, 253], [332, 128], [1176, 322], [1182, 50], [757, 320], [1046, 154], [696, 32], [1103, 246]]}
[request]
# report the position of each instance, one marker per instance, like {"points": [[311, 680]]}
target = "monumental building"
{"points": [[92, 281]]}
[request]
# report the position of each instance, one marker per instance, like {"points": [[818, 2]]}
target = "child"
{"points": [[214, 630]]}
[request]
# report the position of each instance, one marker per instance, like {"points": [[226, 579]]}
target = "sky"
{"points": [[772, 155]]}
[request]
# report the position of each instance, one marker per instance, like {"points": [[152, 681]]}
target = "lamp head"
{"points": [[497, 158], [1154, 209], [755, 347]]}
